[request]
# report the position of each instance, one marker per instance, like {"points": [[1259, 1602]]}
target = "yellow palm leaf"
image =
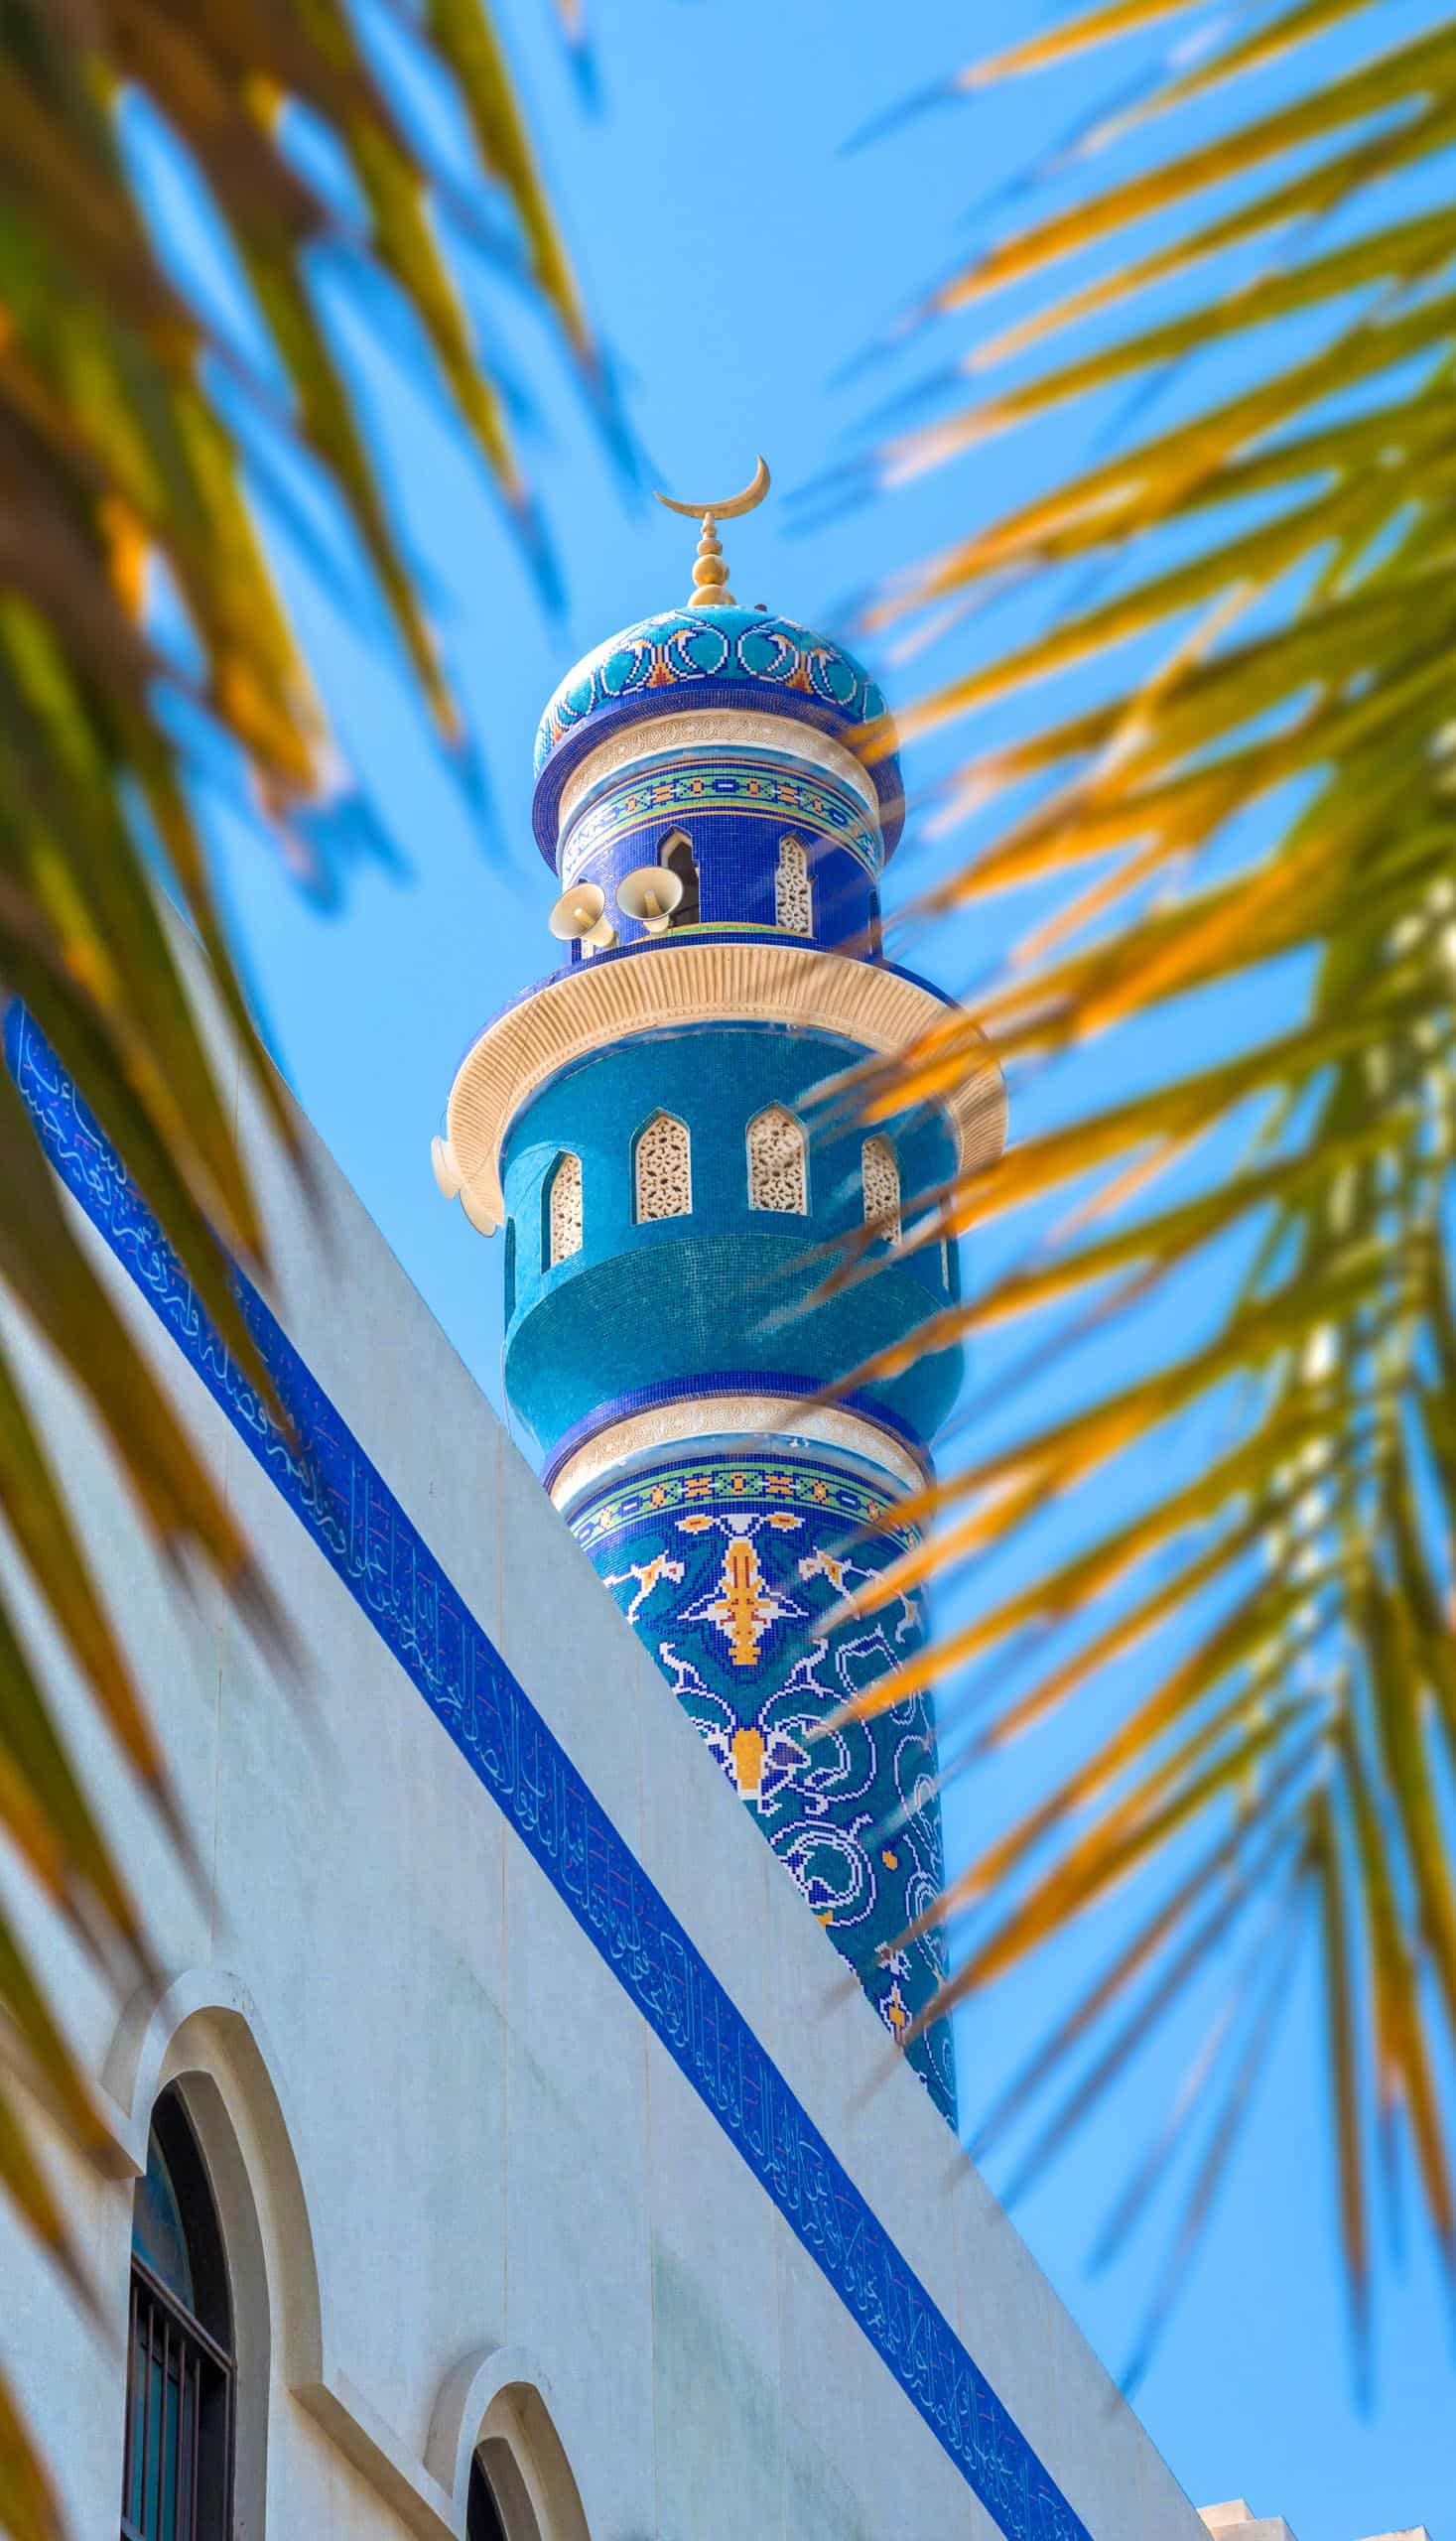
{"points": [[113, 460], [1238, 731]]}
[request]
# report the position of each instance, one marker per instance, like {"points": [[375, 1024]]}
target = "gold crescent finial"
{"points": [[748, 501], [710, 573]]}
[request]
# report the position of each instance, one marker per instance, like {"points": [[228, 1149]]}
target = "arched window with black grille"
{"points": [[675, 852], [177, 2475]]}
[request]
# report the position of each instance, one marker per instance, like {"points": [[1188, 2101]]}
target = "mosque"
{"points": [[500, 2151]]}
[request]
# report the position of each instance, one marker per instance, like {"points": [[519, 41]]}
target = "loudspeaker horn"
{"points": [[650, 893], [577, 911]]}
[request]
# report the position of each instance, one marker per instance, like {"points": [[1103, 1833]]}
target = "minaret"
{"points": [[644, 1125]]}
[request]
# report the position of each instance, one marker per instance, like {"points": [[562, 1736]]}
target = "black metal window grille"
{"points": [[177, 2469], [179, 2422]]}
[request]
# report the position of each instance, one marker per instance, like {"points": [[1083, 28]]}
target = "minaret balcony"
{"points": [[859, 1009]]}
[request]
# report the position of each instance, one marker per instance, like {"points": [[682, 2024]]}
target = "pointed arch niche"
{"points": [[564, 1225], [662, 1169], [778, 1162], [675, 853], [196, 2054], [793, 891], [881, 1171], [494, 2449]]}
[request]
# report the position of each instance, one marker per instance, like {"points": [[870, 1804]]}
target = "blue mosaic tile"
{"points": [[723, 655], [729, 1565]]}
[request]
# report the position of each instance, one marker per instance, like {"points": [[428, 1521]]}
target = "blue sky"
{"points": [[735, 255]]}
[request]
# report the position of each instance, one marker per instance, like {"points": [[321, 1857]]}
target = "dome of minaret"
{"points": [[712, 657]]}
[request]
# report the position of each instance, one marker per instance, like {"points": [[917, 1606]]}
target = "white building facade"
{"points": [[530, 2166]]}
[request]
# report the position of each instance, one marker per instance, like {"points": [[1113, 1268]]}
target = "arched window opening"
{"points": [[881, 1179], [793, 892], [778, 1162], [176, 2474], [483, 2514], [663, 1169], [500, 2506], [564, 1223], [676, 852], [510, 1268]]}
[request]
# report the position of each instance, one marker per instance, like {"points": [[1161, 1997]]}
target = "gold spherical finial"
{"points": [[710, 573]]}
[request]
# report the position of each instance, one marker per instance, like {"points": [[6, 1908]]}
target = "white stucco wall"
{"points": [[463, 2182]]}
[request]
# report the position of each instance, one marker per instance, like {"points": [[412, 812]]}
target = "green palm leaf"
{"points": [[1247, 771], [113, 462]]}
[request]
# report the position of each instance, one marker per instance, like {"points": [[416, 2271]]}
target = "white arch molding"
{"points": [[497, 2402], [203, 2033]]}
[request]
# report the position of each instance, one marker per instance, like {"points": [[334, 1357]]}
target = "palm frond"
{"points": [[1235, 750], [117, 466]]}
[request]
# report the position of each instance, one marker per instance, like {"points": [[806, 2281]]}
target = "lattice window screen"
{"points": [[664, 1169], [779, 1165], [793, 898], [882, 1188], [565, 1211]]}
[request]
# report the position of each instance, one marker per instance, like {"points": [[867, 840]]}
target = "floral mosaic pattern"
{"points": [[725, 645], [729, 1574]]}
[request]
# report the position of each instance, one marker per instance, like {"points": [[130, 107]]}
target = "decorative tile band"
{"points": [[692, 790], [735, 728], [784, 1479], [363, 1532]]}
